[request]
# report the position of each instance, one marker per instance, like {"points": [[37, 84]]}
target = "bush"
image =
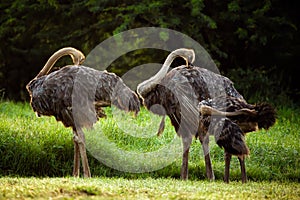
{"points": [[257, 85]]}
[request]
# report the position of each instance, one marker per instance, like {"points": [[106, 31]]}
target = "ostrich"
{"points": [[179, 93], [237, 117], [53, 95]]}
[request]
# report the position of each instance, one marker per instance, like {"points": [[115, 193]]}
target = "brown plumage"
{"points": [[237, 118], [180, 91], [75, 94]]}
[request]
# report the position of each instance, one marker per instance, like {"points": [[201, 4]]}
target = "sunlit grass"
{"points": [[149, 188], [32, 146]]}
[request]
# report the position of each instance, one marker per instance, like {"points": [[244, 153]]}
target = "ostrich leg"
{"points": [[76, 157], [243, 168], [186, 140], [80, 140], [208, 166], [227, 166]]}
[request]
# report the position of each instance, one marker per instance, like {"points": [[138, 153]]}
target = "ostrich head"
{"points": [[187, 54], [76, 55], [78, 58]]}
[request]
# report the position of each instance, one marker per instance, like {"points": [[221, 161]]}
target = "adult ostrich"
{"points": [[178, 94], [74, 95], [237, 117]]}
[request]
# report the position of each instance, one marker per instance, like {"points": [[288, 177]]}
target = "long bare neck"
{"points": [[145, 86], [186, 54], [164, 69], [76, 55]]}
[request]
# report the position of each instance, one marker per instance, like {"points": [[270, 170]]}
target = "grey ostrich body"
{"points": [[179, 92], [74, 95], [51, 95]]}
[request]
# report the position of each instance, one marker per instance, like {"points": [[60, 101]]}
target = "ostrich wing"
{"points": [[70, 94]]}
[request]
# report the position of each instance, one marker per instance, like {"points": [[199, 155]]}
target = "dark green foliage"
{"points": [[259, 85], [248, 36]]}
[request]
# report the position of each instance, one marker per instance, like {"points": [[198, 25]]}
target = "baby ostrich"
{"points": [[237, 117], [178, 94], [75, 94]]}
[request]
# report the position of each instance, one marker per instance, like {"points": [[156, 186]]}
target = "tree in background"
{"points": [[254, 42]]}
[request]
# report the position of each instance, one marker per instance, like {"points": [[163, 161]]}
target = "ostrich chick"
{"points": [[229, 119]]}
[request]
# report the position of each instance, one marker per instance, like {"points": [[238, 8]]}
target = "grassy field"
{"points": [[43, 148], [120, 188]]}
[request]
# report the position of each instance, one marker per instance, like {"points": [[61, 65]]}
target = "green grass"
{"points": [[120, 188], [41, 147]]}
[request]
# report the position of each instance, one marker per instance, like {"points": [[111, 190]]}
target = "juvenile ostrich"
{"points": [[237, 117], [179, 92], [74, 95]]}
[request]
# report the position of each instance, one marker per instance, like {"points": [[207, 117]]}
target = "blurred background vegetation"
{"points": [[255, 43]]}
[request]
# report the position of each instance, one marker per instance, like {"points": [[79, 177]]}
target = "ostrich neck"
{"points": [[164, 69], [53, 59], [145, 86]]}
